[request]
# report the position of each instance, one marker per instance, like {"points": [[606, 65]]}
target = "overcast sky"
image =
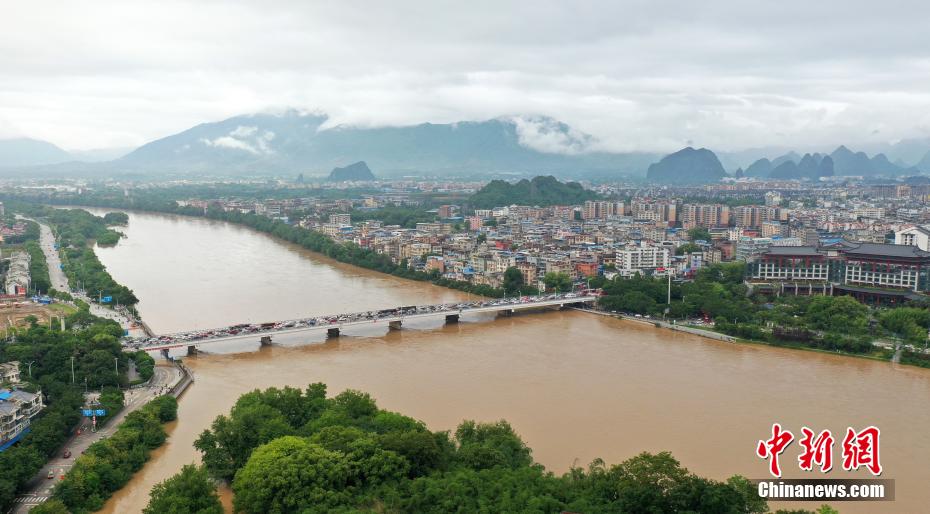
{"points": [[647, 75]]}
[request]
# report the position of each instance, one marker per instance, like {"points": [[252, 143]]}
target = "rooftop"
{"points": [[794, 251], [885, 250]]}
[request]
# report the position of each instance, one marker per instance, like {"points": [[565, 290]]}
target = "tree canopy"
{"points": [[287, 450], [189, 492]]}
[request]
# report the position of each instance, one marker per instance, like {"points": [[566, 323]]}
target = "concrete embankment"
{"points": [[187, 378], [663, 324], [146, 328]]}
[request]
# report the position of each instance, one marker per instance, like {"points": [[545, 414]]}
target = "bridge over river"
{"points": [[335, 323]]}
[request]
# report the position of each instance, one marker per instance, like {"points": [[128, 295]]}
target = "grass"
{"points": [[62, 309]]}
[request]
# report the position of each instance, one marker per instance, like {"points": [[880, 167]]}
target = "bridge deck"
{"points": [[176, 342]]}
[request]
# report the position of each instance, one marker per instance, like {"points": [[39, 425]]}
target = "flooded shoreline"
{"points": [[575, 386]]}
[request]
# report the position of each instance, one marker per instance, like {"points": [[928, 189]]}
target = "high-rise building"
{"points": [[654, 211], [704, 215], [599, 210], [753, 216]]}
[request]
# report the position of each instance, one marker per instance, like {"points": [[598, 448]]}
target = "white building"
{"points": [[17, 408], [875, 213], [17, 276], [642, 257], [913, 236]]}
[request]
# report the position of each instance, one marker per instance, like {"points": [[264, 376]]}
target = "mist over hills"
{"points": [[265, 143], [294, 143]]}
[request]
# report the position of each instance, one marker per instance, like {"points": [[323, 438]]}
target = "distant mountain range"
{"points": [[842, 162], [23, 152], [30, 152], [295, 143]]}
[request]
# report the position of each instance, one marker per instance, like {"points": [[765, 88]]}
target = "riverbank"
{"points": [[709, 334], [60, 282], [577, 386], [280, 230], [346, 253]]}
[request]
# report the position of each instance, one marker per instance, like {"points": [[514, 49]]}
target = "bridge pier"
{"points": [[505, 313], [452, 318], [266, 340], [191, 350], [164, 353], [394, 325], [332, 332]]}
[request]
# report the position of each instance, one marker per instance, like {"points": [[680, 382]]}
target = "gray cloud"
{"points": [[637, 75]]}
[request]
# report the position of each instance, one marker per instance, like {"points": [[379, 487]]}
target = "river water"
{"points": [[576, 386]]}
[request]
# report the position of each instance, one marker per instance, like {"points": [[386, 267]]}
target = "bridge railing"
{"points": [[397, 313]]}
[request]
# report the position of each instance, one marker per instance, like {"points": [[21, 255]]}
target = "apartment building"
{"points": [[704, 215], [640, 258], [17, 408]]}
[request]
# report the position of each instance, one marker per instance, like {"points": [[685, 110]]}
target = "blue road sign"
{"points": [[87, 412], [100, 412], [106, 299]]}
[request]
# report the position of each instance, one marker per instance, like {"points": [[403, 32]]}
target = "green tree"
{"points": [[52, 506], [699, 234], [291, 474], [687, 248], [559, 282], [909, 323], [513, 280], [840, 314], [188, 492], [487, 445]]}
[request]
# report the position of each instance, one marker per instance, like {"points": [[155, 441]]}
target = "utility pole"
{"points": [[72, 370], [669, 287], [116, 360]]}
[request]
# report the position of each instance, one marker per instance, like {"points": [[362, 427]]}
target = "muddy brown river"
{"points": [[576, 386]]}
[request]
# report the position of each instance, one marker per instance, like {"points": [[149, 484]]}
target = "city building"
{"points": [[17, 408], [599, 210], [871, 272], [632, 260], [913, 236], [704, 215], [340, 219], [17, 275], [9, 372]]}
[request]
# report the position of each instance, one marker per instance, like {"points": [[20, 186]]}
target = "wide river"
{"points": [[576, 386]]}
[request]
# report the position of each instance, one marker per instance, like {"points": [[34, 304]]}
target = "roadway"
{"points": [[39, 488], [60, 282], [348, 320]]}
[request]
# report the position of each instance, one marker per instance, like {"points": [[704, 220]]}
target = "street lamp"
{"points": [[30, 368]]}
